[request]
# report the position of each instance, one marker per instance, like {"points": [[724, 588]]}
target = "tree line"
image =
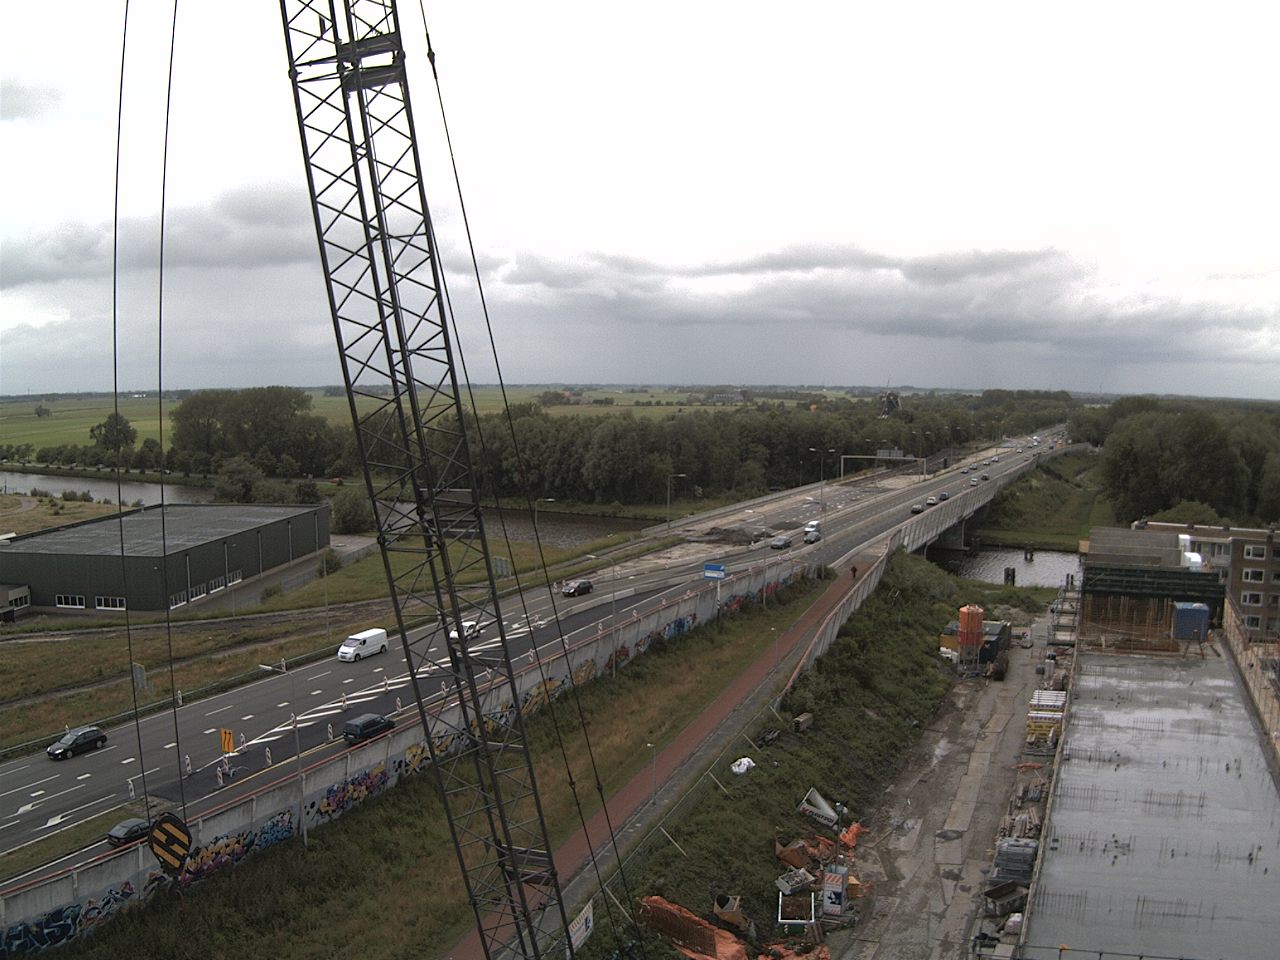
{"points": [[1187, 460]]}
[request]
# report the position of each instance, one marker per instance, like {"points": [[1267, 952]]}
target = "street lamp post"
{"points": [[822, 477], [535, 512], [297, 743], [670, 477]]}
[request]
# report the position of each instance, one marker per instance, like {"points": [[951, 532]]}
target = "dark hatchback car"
{"points": [[576, 588], [127, 831], [366, 727], [76, 741], [779, 543]]}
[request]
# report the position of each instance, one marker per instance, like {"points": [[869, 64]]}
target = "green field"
{"points": [[72, 419]]}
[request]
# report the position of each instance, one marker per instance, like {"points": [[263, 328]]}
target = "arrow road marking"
{"points": [[54, 821]]}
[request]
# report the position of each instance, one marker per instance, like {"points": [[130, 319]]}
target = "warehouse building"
{"points": [[159, 558]]}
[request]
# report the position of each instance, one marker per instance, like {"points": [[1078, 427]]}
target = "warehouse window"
{"points": [[1255, 551], [19, 602], [1251, 599], [197, 591], [1252, 622], [233, 577], [178, 599], [70, 600], [217, 583], [109, 603], [1221, 549], [1252, 575]]}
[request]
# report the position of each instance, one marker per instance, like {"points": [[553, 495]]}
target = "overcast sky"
{"points": [[1080, 196]]}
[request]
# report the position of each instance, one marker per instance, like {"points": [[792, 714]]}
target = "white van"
{"points": [[813, 526], [363, 644]]}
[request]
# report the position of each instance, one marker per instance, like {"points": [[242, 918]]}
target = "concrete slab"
{"points": [[1163, 836]]}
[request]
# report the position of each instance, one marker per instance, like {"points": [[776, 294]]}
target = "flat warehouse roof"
{"points": [[185, 525]]}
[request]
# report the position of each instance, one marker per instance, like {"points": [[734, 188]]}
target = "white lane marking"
{"points": [[35, 803], [84, 776], [247, 717], [316, 693], [377, 669], [55, 820], [28, 786], [170, 746], [319, 675], [211, 730], [11, 823], [349, 680], [130, 760], [37, 793], [220, 709], [144, 773], [285, 704]]}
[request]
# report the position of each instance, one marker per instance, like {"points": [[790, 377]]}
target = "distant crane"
{"points": [[391, 320]]}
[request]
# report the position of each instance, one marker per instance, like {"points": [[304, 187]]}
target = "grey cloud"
{"points": [[946, 268], [268, 226], [26, 101], [1042, 300]]}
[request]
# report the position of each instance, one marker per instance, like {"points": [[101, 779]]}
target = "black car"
{"points": [[576, 588], [779, 543], [76, 741], [127, 831], [366, 727]]}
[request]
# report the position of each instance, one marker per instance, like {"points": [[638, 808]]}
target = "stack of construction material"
{"points": [[1044, 718], [1015, 859]]}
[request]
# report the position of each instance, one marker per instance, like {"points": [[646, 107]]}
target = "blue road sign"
{"points": [[713, 571]]}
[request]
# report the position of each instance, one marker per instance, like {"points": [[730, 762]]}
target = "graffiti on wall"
{"points": [[342, 796], [54, 928], [231, 848], [65, 923]]}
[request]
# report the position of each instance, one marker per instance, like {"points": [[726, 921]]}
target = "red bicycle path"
{"points": [[631, 803]]}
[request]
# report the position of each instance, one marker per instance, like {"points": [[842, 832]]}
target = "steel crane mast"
{"points": [[390, 317]]}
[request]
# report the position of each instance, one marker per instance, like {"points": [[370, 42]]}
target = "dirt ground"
{"points": [[928, 849]]}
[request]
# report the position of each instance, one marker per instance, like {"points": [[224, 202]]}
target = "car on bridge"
{"points": [[917, 508], [127, 831], [986, 476], [943, 496], [366, 727], [931, 502], [779, 543], [79, 740], [973, 481], [812, 536], [576, 588]]}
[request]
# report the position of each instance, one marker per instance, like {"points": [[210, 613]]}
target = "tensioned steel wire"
{"points": [[115, 392], [164, 542], [115, 371], [523, 473]]}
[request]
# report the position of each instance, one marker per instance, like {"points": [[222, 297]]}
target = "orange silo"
{"points": [[970, 633]]}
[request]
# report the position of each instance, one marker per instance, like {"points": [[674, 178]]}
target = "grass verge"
{"points": [[1052, 508]]}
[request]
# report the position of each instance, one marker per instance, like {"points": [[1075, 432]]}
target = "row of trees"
{"points": [[248, 437], [1188, 460]]}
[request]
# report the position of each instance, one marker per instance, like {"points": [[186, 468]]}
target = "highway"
{"points": [[39, 796]]}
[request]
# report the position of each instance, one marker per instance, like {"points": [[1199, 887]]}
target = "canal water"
{"points": [[1043, 568], [148, 493]]}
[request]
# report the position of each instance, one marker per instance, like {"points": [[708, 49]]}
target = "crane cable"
{"points": [[115, 393], [164, 542], [572, 783]]}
